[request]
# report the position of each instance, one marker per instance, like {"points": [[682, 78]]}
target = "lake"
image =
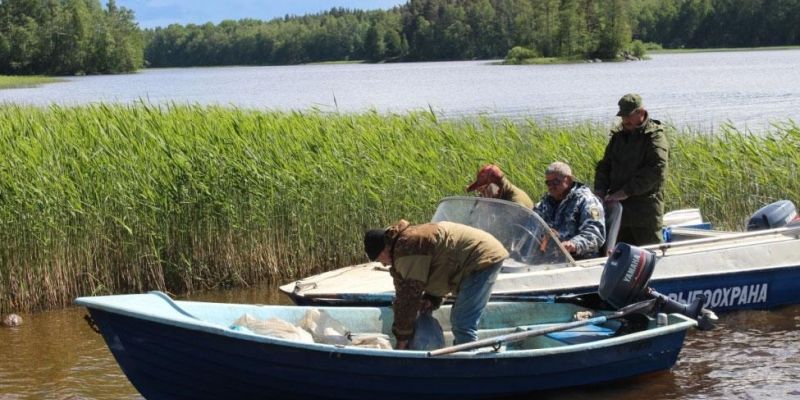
{"points": [[749, 355], [700, 91]]}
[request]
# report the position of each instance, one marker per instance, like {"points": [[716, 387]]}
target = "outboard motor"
{"points": [[774, 215], [625, 278], [625, 275]]}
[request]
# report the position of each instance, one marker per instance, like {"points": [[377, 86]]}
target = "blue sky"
{"points": [[153, 13]]}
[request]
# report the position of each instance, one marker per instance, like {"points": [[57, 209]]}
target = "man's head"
{"points": [[632, 112], [487, 182], [374, 243], [558, 178]]}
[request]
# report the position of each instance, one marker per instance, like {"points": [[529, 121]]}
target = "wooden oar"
{"points": [[517, 336]]}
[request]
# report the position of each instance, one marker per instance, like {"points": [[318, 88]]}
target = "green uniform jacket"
{"points": [[432, 259], [636, 162], [511, 193]]}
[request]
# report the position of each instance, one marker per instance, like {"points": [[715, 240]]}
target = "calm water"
{"points": [[698, 90], [750, 355]]}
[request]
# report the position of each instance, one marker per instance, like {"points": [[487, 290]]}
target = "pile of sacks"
{"points": [[316, 326]]}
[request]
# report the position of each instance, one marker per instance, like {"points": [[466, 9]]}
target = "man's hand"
{"points": [[619, 195], [569, 246], [425, 306]]}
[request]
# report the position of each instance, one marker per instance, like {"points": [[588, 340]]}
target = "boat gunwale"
{"points": [[182, 321]]}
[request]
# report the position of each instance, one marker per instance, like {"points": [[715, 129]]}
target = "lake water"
{"points": [[749, 89], [749, 355]]}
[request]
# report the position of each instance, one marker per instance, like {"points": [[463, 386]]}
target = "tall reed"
{"points": [[126, 198]]}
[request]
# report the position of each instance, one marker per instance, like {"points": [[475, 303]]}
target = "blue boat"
{"points": [[755, 269], [192, 350]]}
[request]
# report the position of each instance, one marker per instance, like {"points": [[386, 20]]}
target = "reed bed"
{"points": [[127, 198], [8, 82]]}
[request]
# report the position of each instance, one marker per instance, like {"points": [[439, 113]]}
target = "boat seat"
{"points": [[583, 334], [613, 213]]}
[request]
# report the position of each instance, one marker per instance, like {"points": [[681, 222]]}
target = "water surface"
{"points": [[748, 89]]}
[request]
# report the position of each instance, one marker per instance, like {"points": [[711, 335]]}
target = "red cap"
{"points": [[486, 175]]}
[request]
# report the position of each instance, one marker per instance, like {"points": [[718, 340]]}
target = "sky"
{"points": [[153, 13]]}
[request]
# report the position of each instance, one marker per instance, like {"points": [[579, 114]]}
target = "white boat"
{"points": [[756, 269]]}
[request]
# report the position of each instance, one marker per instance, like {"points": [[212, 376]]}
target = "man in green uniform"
{"points": [[491, 182], [633, 171], [429, 261]]}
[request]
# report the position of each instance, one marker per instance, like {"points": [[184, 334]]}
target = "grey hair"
{"points": [[559, 168]]}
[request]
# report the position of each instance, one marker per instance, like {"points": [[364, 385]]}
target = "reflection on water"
{"points": [[751, 354], [749, 89]]}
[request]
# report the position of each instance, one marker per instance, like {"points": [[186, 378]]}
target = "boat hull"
{"points": [[167, 362], [732, 275]]}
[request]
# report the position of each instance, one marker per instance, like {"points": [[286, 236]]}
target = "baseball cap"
{"points": [[628, 104], [486, 175]]}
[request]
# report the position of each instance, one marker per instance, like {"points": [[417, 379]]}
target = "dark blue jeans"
{"points": [[473, 294]]}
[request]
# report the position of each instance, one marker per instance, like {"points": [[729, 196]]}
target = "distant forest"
{"points": [[68, 37], [79, 36]]}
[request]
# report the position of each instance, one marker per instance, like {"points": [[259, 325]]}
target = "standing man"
{"points": [[573, 211], [428, 261], [633, 171], [491, 182]]}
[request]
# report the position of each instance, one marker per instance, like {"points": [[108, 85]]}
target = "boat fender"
{"points": [[775, 215]]}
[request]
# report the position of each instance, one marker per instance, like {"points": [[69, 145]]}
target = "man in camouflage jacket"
{"points": [[430, 261], [571, 209], [633, 171]]}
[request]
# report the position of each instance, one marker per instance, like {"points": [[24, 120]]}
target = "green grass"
{"points": [[114, 198], [9, 82]]}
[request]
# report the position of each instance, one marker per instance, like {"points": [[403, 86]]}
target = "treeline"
{"points": [[59, 37], [335, 35], [717, 23], [68, 37], [478, 29]]}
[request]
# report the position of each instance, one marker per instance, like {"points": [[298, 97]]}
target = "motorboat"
{"points": [[754, 269]]}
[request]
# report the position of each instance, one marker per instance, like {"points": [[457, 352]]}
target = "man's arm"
{"points": [[602, 172], [408, 296], [592, 230]]}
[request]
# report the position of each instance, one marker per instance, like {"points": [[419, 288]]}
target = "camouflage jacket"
{"points": [[636, 162], [432, 259], [514, 194], [579, 218]]}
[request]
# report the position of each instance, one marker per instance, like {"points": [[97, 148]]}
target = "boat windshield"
{"points": [[525, 235]]}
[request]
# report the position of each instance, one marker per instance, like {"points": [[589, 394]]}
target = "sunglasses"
{"points": [[553, 182]]}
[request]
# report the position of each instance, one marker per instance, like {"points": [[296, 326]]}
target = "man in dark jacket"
{"points": [[633, 171], [429, 261]]}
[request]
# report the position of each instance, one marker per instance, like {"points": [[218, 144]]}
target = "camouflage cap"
{"points": [[628, 104]]}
